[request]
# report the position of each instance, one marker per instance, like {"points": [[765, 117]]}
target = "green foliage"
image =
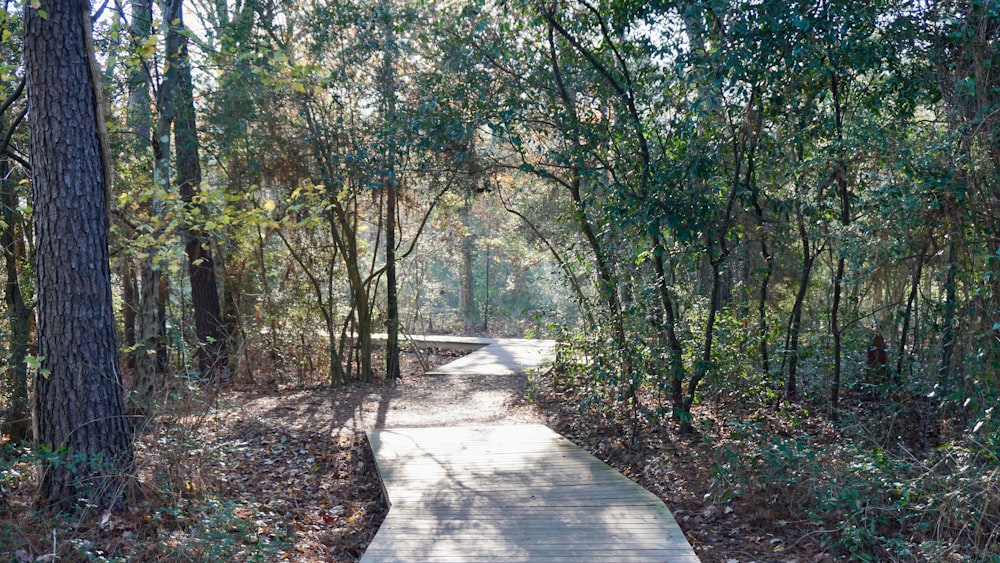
{"points": [[215, 530]]}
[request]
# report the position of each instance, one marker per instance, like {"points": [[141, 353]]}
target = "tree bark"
{"points": [[945, 372], [840, 177], [80, 409], [795, 320], [130, 307], [466, 300], [213, 357], [908, 312], [17, 422], [392, 298], [151, 339]]}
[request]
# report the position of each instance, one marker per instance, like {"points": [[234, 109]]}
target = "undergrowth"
{"points": [[216, 484], [884, 484]]}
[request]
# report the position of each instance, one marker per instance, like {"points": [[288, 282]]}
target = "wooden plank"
{"points": [[515, 493], [440, 342], [400, 556], [504, 357]]}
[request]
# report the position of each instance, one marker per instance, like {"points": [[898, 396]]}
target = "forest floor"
{"points": [[680, 472], [283, 473]]}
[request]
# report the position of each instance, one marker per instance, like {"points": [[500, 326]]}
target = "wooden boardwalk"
{"points": [[512, 493], [515, 493], [506, 356]]}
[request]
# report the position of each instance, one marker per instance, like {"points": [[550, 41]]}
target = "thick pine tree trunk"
{"points": [[80, 410]]}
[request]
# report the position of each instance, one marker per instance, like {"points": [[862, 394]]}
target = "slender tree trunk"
{"points": [[840, 177], [945, 372], [837, 333], [130, 306], [703, 365], [213, 358], [765, 364], [150, 358], [908, 312], [80, 410], [17, 423], [344, 231], [467, 304], [765, 252], [392, 299], [795, 320], [670, 328], [138, 118]]}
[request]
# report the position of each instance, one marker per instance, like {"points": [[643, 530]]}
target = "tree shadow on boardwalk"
{"points": [[418, 401], [517, 493]]}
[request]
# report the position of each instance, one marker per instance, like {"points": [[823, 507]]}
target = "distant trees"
{"points": [[760, 181]]}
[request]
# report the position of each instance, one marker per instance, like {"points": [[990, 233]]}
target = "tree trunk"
{"points": [[146, 381], [392, 299], [130, 306], [80, 410], [670, 328], [151, 340], [17, 422], [945, 373], [840, 177], [837, 333], [703, 365], [466, 300], [138, 119], [908, 312], [765, 364], [795, 320], [213, 358]]}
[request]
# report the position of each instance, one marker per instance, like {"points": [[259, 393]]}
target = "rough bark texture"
{"points": [[213, 359], [80, 410]]}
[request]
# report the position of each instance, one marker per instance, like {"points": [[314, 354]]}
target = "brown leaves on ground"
{"points": [[280, 475], [722, 526], [230, 486]]}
